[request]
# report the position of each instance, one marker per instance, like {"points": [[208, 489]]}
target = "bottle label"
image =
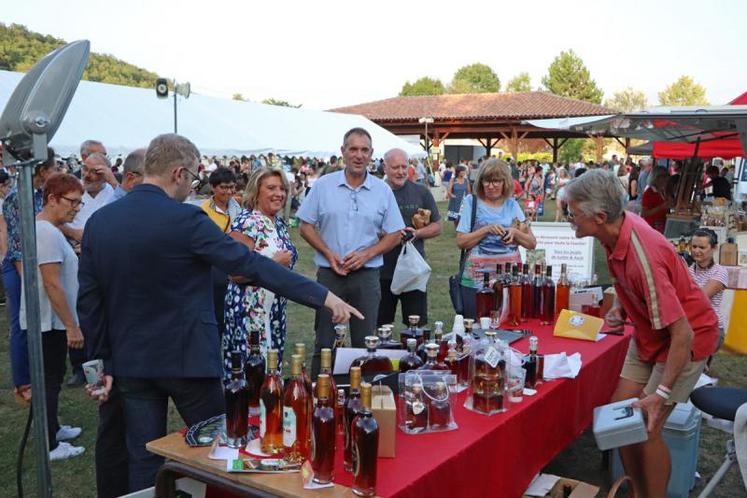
{"points": [[262, 419], [289, 426], [418, 407], [492, 357]]}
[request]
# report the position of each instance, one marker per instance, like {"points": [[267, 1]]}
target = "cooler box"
{"points": [[682, 434]]}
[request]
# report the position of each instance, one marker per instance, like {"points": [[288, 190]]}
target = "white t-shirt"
{"points": [[52, 247], [91, 205]]}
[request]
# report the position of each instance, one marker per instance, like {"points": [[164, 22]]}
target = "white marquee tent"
{"points": [[125, 118]]}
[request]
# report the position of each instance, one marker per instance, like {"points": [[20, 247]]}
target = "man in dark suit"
{"points": [[145, 302]]}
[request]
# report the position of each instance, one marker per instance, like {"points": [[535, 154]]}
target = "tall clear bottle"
{"points": [[562, 291], [326, 368], [514, 316], [365, 447], [300, 349], [254, 372], [237, 405], [353, 405], [548, 299], [323, 433], [296, 416], [271, 408]]}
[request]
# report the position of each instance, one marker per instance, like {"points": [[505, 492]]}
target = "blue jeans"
{"points": [[19, 352], [145, 410]]}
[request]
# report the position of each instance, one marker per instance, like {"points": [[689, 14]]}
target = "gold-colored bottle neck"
{"points": [[326, 359], [272, 360], [322, 385], [366, 395], [296, 364], [355, 377]]}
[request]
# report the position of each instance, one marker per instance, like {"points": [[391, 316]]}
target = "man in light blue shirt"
{"points": [[132, 173], [351, 219]]}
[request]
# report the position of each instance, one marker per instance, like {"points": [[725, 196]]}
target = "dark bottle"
{"points": [[527, 295], [296, 417], [562, 291], [300, 349], [534, 364], [413, 331], [254, 371], [326, 368], [439, 407], [498, 288], [412, 360], [438, 338], [416, 411], [485, 297], [421, 346], [339, 407], [457, 335], [323, 431], [271, 408], [514, 315], [352, 407], [385, 339], [548, 299], [372, 362], [365, 447], [537, 283], [459, 366], [432, 362], [237, 405]]}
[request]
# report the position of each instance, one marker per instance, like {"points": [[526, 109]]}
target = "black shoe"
{"points": [[77, 379]]}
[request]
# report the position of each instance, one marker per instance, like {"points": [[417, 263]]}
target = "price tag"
{"points": [[492, 357]]}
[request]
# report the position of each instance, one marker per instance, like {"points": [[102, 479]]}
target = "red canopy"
{"points": [[726, 148]]}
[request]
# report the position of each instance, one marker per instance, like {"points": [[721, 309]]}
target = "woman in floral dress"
{"points": [[261, 227]]}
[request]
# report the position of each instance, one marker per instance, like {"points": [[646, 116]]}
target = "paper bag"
{"points": [[575, 325]]}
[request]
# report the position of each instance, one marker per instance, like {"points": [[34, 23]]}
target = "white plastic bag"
{"points": [[412, 271]]}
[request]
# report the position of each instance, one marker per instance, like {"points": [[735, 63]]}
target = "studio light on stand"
{"points": [[29, 121]]}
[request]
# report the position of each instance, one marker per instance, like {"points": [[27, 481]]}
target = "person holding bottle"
{"points": [[493, 239]]}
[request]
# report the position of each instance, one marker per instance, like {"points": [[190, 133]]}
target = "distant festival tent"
{"points": [[126, 118]]}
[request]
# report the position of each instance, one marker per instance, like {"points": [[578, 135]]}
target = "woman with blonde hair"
{"points": [[260, 227], [560, 183]]}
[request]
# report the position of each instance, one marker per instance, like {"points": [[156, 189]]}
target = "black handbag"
{"points": [[455, 281]]}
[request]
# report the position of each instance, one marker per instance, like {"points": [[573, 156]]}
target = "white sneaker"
{"points": [[67, 432], [65, 451]]}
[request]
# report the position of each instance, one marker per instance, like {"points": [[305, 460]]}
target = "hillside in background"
{"points": [[21, 48]]}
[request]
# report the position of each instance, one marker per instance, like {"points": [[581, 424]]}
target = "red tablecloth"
{"points": [[498, 455]]}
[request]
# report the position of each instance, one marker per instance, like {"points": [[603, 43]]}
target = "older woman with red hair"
{"points": [[58, 289]]}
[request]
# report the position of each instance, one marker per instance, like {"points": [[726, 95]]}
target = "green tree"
{"points": [[237, 96], [567, 76], [475, 78], [281, 103], [627, 100], [423, 86], [571, 150], [520, 83], [684, 91]]}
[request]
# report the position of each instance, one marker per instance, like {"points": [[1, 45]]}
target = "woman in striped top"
{"points": [[708, 275]]}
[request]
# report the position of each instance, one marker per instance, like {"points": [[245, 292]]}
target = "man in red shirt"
{"points": [[676, 329]]}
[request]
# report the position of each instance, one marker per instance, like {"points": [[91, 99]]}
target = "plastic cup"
{"points": [[94, 372], [516, 385], [485, 322]]}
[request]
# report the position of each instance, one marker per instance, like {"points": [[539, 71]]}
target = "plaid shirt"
{"points": [[13, 220]]}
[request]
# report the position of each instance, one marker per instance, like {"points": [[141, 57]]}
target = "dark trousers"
{"points": [[54, 348], [77, 358], [359, 289], [111, 448], [146, 408], [413, 303], [19, 352]]}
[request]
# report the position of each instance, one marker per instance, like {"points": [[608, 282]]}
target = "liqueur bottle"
{"points": [[326, 368], [489, 379], [498, 288], [296, 418], [323, 432], [468, 324], [372, 362], [421, 346], [534, 365], [352, 406], [254, 371], [412, 361], [457, 334], [339, 407], [432, 362], [341, 331], [237, 405], [365, 447], [527, 293], [562, 291], [271, 408], [537, 283], [439, 407], [413, 331], [459, 366], [438, 338], [485, 297], [416, 411], [548, 299], [385, 339], [514, 315], [300, 349]]}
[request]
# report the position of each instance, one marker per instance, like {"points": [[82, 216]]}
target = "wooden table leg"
{"points": [[171, 470]]}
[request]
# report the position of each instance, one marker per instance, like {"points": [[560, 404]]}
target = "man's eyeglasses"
{"points": [[195, 179], [74, 202]]}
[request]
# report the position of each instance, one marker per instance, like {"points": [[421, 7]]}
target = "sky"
{"points": [[328, 54]]}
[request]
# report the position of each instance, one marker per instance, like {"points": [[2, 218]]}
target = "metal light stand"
{"points": [[31, 286]]}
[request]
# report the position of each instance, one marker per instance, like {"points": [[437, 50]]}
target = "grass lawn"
{"points": [[75, 477]]}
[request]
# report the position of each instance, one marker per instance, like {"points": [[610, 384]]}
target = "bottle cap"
{"points": [[366, 395], [439, 325], [533, 342], [300, 349], [272, 360], [355, 377], [549, 270], [431, 349], [236, 361], [452, 344], [326, 359], [384, 333], [468, 322], [322, 386], [413, 320], [490, 333], [341, 331], [411, 343], [372, 342], [295, 364]]}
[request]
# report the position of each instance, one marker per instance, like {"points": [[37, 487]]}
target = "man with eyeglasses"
{"points": [[99, 184], [145, 300], [351, 219]]}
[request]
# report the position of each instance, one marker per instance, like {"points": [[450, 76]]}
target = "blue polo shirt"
{"points": [[350, 219]]}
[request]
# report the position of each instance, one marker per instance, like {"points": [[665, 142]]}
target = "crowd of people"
{"points": [[164, 290]]}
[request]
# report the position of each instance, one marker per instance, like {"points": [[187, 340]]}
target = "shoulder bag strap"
{"points": [[463, 254]]}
